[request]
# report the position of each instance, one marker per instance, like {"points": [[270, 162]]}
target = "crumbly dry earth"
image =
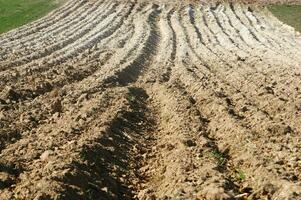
{"points": [[137, 100], [265, 2]]}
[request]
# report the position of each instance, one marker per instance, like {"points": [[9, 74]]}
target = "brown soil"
{"points": [[137, 100]]}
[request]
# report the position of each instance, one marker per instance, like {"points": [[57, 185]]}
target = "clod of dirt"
{"points": [[8, 94], [56, 106], [269, 189], [146, 194], [269, 90], [189, 143], [244, 109], [45, 155], [213, 192], [43, 87], [2, 115], [6, 180], [2, 102], [288, 129]]}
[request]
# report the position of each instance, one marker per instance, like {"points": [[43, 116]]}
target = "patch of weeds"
{"points": [[90, 193], [131, 98], [240, 175], [220, 157]]}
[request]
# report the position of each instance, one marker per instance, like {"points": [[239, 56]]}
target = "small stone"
{"points": [[287, 129], [189, 143], [279, 162], [5, 180], [46, 155], [244, 109], [269, 90], [43, 87], [105, 189], [2, 116], [192, 100], [269, 189], [57, 106], [9, 94]]}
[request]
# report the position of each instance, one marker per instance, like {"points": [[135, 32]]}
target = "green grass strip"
{"points": [[289, 14], [15, 13]]}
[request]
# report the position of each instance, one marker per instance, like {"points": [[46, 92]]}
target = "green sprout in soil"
{"points": [[220, 157], [131, 98], [240, 175]]}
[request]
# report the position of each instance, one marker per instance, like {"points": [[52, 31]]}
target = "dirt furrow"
{"points": [[249, 64], [51, 88], [258, 72], [239, 41], [48, 29], [151, 100], [224, 125], [66, 45], [90, 190], [55, 58], [53, 34], [180, 159], [187, 81], [267, 27], [278, 49], [274, 115], [87, 63], [178, 135], [32, 28], [72, 133]]}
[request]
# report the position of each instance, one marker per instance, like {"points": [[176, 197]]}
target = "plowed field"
{"points": [[151, 100]]}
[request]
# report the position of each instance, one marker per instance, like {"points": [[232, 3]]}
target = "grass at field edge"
{"points": [[289, 14], [15, 13]]}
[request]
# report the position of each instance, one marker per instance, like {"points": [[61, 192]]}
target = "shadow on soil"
{"points": [[107, 165]]}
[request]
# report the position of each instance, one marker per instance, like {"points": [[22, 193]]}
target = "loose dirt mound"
{"points": [[111, 100]]}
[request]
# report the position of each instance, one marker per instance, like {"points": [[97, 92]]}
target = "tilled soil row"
{"points": [[138, 100]]}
